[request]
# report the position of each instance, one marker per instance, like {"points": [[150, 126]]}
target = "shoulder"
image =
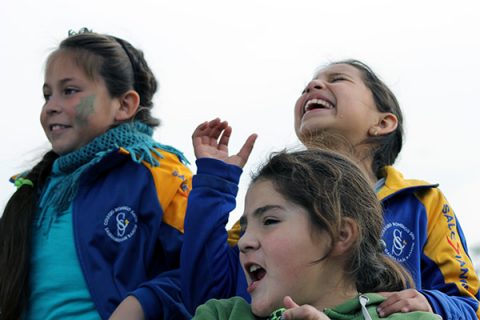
{"points": [[395, 183], [374, 299], [166, 168], [160, 171]]}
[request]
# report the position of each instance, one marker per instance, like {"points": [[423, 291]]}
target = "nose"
{"points": [[315, 84], [248, 242], [52, 105]]}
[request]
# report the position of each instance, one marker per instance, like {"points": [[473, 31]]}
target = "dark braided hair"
{"points": [[123, 68], [15, 240], [118, 63]]}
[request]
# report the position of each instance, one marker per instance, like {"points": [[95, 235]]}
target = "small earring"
{"points": [[374, 132]]}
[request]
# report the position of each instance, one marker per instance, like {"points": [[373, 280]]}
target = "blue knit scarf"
{"points": [[135, 137]]}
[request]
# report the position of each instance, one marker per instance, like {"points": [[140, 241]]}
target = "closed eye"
{"points": [[337, 78], [270, 221]]}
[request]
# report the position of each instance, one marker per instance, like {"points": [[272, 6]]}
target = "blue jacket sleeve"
{"points": [[450, 306], [210, 268], [449, 280], [164, 288]]}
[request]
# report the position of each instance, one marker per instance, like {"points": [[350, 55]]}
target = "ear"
{"points": [[386, 124], [347, 237], [129, 103]]}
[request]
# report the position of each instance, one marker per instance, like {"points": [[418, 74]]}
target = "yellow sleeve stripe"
{"points": [[173, 182], [444, 246]]}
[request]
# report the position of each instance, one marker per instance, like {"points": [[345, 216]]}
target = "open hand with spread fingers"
{"points": [[210, 140]]}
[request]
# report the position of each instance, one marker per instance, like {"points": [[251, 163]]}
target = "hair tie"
{"points": [[82, 30], [22, 181]]}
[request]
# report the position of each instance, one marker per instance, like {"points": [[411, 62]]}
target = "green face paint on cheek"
{"points": [[84, 110]]}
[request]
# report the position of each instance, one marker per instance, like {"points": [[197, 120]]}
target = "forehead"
{"points": [[62, 63], [338, 68], [260, 192], [73, 61]]}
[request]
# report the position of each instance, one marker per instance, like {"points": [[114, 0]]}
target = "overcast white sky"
{"points": [[247, 62]]}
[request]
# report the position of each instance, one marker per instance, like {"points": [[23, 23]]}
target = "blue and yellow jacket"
{"points": [[138, 254], [420, 231]]}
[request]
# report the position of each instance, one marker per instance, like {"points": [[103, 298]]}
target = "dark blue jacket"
{"points": [[128, 229]]}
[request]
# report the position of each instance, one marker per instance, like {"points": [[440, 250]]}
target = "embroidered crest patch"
{"points": [[399, 241], [120, 223]]}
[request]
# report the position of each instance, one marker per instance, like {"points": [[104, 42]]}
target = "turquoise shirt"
{"points": [[58, 288]]}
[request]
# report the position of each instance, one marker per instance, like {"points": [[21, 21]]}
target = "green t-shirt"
{"points": [[237, 308]]}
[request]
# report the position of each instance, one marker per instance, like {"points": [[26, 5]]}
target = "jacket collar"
{"points": [[395, 183]]}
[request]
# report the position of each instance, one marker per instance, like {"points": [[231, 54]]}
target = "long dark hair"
{"points": [[123, 68], [331, 188], [15, 240]]}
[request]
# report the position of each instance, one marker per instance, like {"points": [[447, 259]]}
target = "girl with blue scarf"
{"points": [[94, 230]]}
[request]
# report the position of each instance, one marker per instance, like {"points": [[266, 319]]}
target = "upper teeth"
{"points": [[324, 103], [57, 126], [254, 268]]}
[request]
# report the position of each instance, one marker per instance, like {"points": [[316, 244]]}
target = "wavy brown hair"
{"points": [[331, 188]]}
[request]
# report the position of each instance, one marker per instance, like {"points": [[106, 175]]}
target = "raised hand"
{"points": [[210, 140], [304, 312]]}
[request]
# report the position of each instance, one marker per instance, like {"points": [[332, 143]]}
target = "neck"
{"points": [[336, 288], [336, 296], [366, 167], [363, 157]]}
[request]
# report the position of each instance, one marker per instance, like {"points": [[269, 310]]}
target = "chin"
{"points": [[61, 151], [262, 309]]}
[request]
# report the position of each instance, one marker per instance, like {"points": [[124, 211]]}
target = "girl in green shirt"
{"points": [[311, 236]]}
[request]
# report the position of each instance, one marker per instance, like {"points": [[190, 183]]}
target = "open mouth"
{"points": [[317, 104], [256, 272]]}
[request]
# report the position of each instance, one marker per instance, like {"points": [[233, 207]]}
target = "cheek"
{"points": [[298, 112], [242, 262], [84, 109], [287, 256], [43, 117]]}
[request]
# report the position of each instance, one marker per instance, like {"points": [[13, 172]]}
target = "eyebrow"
{"points": [[61, 82], [332, 74], [338, 74], [258, 213]]}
